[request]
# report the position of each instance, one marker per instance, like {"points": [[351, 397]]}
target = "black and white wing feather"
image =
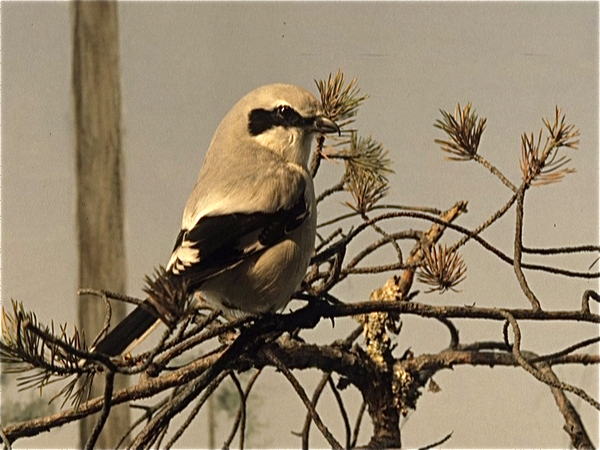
{"points": [[220, 242]]}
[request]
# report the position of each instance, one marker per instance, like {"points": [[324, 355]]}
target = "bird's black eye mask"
{"points": [[261, 120]]}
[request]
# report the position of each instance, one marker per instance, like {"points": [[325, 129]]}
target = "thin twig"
{"points": [[408, 234], [343, 412], [161, 435], [249, 340], [551, 356], [315, 398], [561, 250], [338, 219], [385, 234], [5, 441], [302, 394], [535, 372], [242, 408], [416, 215], [328, 239], [238, 418], [357, 423], [28, 325], [332, 190], [585, 301], [485, 163], [148, 411], [108, 391], [107, 318], [193, 376], [212, 386], [113, 295], [424, 209], [369, 270], [349, 340], [149, 359], [454, 336], [573, 424], [518, 251], [437, 443], [198, 335], [493, 218]]}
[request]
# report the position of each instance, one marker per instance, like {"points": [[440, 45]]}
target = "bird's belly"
{"points": [[263, 283]]}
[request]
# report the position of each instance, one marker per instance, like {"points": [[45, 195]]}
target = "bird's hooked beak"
{"points": [[325, 125]]}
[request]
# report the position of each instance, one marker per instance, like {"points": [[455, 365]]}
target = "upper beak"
{"points": [[326, 125]]}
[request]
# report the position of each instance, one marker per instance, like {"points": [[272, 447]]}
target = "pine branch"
{"points": [[542, 165], [464, 130], [340, 101]]}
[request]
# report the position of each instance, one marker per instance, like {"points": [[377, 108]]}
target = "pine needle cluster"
{"points": [[464, 130], [542, 165], [42, 355], [168, 295], [367, 170], [442, 269], [340, 102]]}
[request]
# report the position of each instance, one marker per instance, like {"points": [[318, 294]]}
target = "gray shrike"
{"points": [[248, 229]]}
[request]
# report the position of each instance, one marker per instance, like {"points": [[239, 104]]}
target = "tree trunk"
{"points": [[97, 99]]}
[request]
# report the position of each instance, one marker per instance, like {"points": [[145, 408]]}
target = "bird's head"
{"points": [[283, 118]]}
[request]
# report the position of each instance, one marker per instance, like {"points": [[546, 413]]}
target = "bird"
{"points": [[248, 228]]}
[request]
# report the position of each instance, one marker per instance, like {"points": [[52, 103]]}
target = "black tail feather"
{"points": [[127, 331]]}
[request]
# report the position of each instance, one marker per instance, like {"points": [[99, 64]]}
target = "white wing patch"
{"points": [[183, 256]]}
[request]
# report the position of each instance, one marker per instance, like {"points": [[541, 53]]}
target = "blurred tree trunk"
{"points": [[97, 97]]}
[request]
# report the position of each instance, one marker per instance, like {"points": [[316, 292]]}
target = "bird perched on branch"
{"points": [[249, 225]]}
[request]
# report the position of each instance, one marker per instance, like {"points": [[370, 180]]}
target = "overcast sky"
{"points": [[185, 64]]}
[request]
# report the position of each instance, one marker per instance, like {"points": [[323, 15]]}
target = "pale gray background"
{"points": [[185, 64]]}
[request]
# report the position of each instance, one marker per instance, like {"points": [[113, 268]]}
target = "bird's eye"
{"points": [[287, 113]]}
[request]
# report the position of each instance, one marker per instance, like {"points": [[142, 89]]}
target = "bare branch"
{"points": [[339, 187], [111, 295], [108, 391], [585, 302], [302, 394], [493, 169], [241, 414], [536, 373], [438, 443], [454, 337], [573, 424], [315, 398], [242, 408], [323, 255], [518, 251], [198, 351], [357, 424], [343, 412], [562, 250], [212, 386], [5, 440], [148, 411], [549, 358]]}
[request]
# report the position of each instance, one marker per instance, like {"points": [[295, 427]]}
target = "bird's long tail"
{"points": [[129, 332], [167, 301]]}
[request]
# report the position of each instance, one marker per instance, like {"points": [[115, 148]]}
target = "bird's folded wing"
{"points": [[219, 242]]}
